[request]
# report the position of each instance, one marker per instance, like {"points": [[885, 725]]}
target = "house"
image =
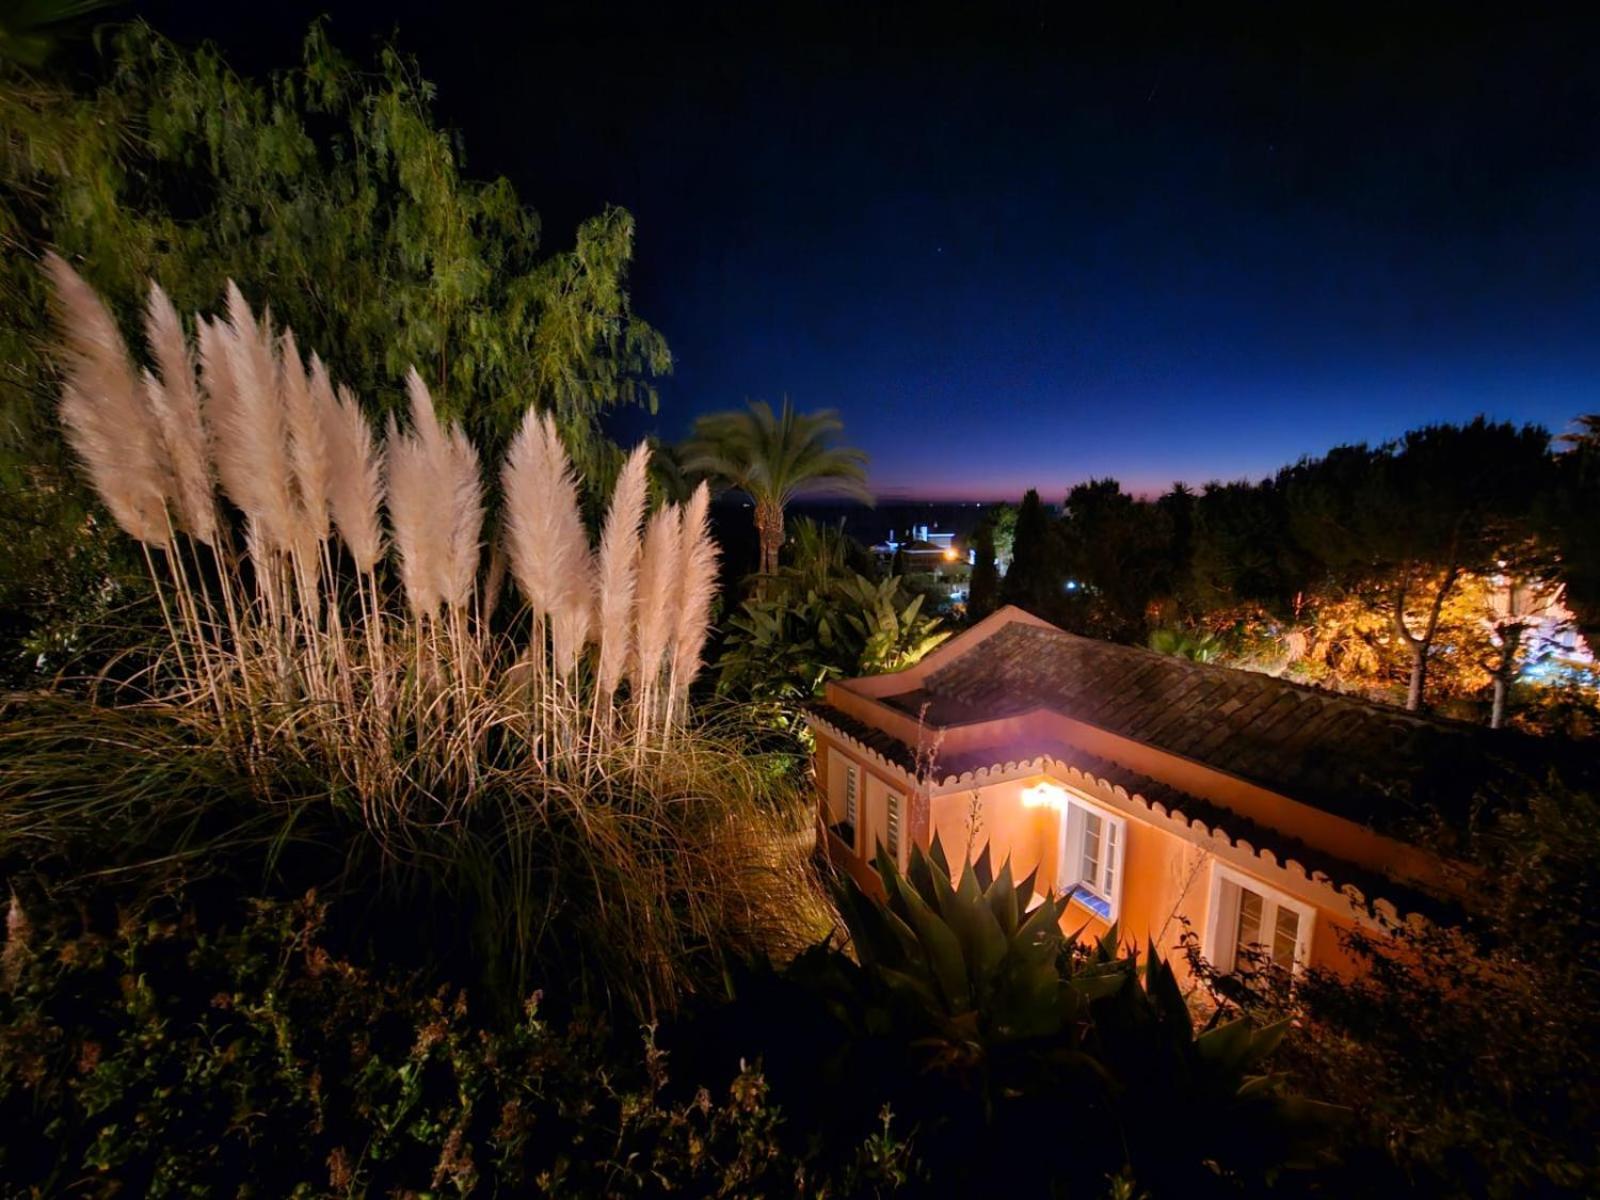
{"points": [[1168, 793]]}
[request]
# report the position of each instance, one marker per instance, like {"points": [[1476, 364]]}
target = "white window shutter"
{"points": [[1225, 936], [1117, 836], [1072, 855]]}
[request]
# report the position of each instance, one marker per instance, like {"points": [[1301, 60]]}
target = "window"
{"points": [[852, 801], [1091, 857], [892, 825], [1251, 921]]}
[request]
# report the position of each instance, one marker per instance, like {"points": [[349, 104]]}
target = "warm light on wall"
{"points": [[950, 555], [1045, 795]]}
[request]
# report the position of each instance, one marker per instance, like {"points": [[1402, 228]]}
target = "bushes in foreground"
{"points": [[175, 1051], [164, 1057]]}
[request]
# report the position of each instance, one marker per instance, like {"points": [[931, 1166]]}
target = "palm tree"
{"points": [[1587, 435], [771, 457]]}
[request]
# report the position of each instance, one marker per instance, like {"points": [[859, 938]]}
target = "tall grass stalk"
{"points": [[555, 749]]}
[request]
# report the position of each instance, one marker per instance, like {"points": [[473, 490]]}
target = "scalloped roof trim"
{"points": [[1377, 906]]}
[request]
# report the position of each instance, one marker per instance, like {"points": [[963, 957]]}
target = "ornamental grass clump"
{"points": [[331, 646]]}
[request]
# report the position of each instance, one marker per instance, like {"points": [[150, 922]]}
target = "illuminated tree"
{"points": [[1402, 524]]}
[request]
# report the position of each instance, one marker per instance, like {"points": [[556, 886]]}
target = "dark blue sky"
{"points": [[1041, 248]]}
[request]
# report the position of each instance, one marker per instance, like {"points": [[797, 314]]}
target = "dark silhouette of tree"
{"points": [[1036, 575], [1118, 551], [1572, 523], [984, 591], [1242, 551]]}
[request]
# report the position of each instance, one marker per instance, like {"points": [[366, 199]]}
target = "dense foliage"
{"points": [[820, 618], [173, 1053], [175, 1048], [1420, 571], [332, 187], [1468, 1049]]}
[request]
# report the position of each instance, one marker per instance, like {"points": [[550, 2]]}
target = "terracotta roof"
{"points": [[1215, 818], [1341, 754]]}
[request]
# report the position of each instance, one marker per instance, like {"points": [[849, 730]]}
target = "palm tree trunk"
{"points": [[769, 528]]}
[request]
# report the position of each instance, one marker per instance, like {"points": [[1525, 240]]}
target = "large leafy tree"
{"points": [[774, 456], [1118, 550], [1573, 522], [331, 192], [1403, 524]]}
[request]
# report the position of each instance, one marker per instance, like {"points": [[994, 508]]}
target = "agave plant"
{"points": [[979, 960], [970, 1009]]}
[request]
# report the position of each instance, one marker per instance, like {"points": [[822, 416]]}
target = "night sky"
{"points": [[1027, 251]]}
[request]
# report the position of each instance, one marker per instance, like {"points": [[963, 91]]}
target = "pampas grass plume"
{"points": [[658, 572], [618, 568], [697, 581], [251, 437], [175, 403], [106, 414], [355, 485]]}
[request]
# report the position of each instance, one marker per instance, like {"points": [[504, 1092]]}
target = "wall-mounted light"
{"points": [[1045, 795]]}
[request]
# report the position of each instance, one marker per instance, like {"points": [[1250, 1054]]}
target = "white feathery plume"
{"points": [[414, 504], [571, 560], [658, 569], [308, 441], [219, 394], [436, 506], [697, 583], [251, 438], [573, 623], [455, 460], [176, 404], [355, 483], [106, 414], [544, 532], [618, 568]]}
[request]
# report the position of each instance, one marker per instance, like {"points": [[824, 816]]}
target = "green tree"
{"points": [[1118, 549], [332, 186], [1404, 523], [774, 456], [1035, 577], [984, 591], [1572, 521]]}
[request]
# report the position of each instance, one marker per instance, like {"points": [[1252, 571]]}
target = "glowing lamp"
{"points": [[950, 555], [1045, 795]]}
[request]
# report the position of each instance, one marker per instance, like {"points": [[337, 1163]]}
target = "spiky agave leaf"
{"points": [[105, 412]]}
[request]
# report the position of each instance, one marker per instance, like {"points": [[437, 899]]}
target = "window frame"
{"points": [[1070, 855], [1221, 944], [894, 816], [852, 801]]}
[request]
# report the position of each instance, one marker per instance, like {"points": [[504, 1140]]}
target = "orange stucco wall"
{"points": [[1167, 875]]}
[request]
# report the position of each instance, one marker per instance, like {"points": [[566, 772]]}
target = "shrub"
{"points": [[1019, 1058], [1468, 1050], [169, 1055], [541, 788]]}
